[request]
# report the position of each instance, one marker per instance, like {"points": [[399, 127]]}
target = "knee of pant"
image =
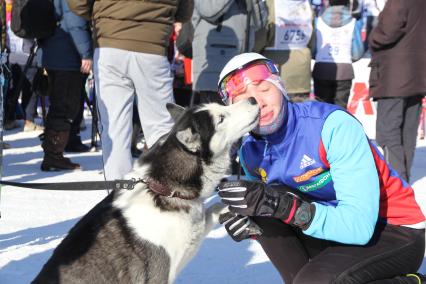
{"points": [[58, 124], [322, 279], [72, 112], [324, 271], [318, 277]]}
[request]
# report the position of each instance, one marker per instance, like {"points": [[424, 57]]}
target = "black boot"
{"points": [[53, 146], [75, 145]]}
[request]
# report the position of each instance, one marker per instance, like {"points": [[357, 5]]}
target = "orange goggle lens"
{"points": [[235, 83]]}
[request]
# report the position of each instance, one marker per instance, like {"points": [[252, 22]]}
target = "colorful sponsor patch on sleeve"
{"points": [[319, 182], [308, 175]]}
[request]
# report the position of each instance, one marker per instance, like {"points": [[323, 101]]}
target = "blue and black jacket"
{"points": [[323, 152]]}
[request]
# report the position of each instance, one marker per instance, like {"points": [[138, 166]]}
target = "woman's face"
{"points": [[268, 97]]}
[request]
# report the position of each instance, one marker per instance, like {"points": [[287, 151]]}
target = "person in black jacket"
{"points": [[67, 57], [398, 79]]}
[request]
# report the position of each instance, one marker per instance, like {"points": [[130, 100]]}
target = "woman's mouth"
{"points": [[266, 117]]}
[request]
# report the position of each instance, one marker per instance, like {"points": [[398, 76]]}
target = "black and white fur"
{"points": [[140, 236]]}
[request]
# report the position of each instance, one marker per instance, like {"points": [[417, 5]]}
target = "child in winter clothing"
{"points": [[338, 44]]}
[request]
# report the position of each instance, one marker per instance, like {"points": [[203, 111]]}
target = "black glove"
{"points": [[249, 198], [239, 227]]}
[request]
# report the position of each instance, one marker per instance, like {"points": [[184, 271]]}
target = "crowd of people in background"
{"points": [[167, 52]]}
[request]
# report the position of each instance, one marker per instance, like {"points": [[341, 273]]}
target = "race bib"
{"points": [[293, 25], [334, 45]]}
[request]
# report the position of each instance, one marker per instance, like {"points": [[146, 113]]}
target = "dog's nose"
{"points": [[252, 100]]}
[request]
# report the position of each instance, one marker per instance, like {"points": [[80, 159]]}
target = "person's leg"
{"points": [[29, 104], [30, 113], [287, 249], [11, 101], [137, 132], [114, 97], [409, 129], [64, 100], [153, 80], [74, 142], [324, 90], [393, 251], [197, 98], [390, 116], [31, 107], [182, 95], [3, 145], [343, 91], [26, 94]]}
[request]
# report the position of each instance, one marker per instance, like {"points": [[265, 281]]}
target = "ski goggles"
{"points": [[235, 83]]}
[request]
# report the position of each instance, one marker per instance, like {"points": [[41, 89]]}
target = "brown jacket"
{"points": [[398, 43], [138, 25]]}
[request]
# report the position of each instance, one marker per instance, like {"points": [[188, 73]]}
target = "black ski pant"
{"points": [[75, 125], [300, 259], [65, 98], [396, 131], [332, 91]]}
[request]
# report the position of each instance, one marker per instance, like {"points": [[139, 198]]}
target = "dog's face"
{"points": [[211, 129], [195, 155]]}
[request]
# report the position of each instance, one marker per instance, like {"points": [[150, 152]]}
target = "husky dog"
{"points": [[148, 234]]}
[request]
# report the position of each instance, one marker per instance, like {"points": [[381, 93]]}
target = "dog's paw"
{"points": [[212, 214], [215, 210]]}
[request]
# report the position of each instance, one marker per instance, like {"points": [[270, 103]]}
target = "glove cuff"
{"points": [[290, 208], [304, 215]]}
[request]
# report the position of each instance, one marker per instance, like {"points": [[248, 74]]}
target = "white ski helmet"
{"points": [[238, 62]]}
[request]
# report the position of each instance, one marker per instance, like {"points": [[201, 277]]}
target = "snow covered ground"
{"points": [[33, 222]]}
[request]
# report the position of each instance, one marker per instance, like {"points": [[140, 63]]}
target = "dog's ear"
{"points": [[175, 110], [190, 140]]}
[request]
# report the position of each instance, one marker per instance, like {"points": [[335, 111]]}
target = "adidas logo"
{"points": [[306, 162]]}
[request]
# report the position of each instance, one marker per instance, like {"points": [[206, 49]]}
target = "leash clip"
{"points": [[126, 184]]}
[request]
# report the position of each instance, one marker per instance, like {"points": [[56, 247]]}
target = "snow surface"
{"points": [[33, 222]]}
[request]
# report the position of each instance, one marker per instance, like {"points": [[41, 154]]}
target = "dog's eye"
{"points": [[221, 119]]}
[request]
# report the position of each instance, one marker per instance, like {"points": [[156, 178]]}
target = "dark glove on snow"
{"points": [[250, 198], [239, 227]]}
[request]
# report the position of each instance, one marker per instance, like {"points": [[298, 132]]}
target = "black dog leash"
{"points": [[128, 184]]}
